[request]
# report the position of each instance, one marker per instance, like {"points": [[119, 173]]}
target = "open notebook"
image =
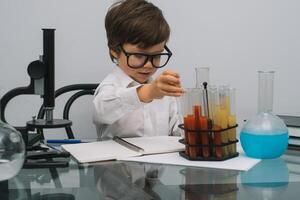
{"points": [[120, 148]]}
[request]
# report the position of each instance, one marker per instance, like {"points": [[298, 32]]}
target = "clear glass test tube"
{"points": [[190, 108], [223, 113], [232, 120], [205, 123], [215, 109], [214, 103]]}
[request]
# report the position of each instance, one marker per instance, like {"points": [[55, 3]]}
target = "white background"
{"points": [[234, 38]]}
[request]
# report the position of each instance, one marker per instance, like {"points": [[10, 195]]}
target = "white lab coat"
{"points": [[119, 112]]}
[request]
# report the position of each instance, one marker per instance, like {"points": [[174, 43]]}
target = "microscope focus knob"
{"points": [[36, 69]]}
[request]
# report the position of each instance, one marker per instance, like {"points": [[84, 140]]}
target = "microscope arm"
{"points": [[36, 70], [11, 94]]}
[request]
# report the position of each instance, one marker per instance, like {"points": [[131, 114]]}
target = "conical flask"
{"points": [[265, 135]]}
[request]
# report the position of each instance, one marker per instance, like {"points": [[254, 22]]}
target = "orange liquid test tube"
{"points": [[204, 137], [197, 113], [192, 139], [186, 140]]}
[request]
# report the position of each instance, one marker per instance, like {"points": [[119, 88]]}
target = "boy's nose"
{"points": [[148, 64]]}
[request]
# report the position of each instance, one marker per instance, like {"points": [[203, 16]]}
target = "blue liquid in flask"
{"points": [[264, 145]]}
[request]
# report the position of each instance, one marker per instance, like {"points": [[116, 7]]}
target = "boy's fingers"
{"points": [[168, 79], [167, 89], [173, 94], [171, 73]]}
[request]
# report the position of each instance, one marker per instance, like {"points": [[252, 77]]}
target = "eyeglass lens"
{"points": [[137, 60]]}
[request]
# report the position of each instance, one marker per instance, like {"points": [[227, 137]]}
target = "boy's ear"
{"points": [[114, 53]]}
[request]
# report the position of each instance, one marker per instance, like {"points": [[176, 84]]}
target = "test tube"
{"points": [[191, 110], [232, 120], [197, 106], [215, 107], [202, 75], [185, 111], [224, 112], [205, 122]]}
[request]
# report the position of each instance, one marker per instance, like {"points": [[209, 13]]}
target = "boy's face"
{"points": [[142, 74]]}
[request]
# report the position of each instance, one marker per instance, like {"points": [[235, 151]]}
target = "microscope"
{"points": [[42, 75]]}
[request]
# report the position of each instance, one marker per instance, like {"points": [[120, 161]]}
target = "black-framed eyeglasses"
{"points": [[138, 60]]}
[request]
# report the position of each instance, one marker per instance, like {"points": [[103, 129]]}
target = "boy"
{"points": [[128, 103]]}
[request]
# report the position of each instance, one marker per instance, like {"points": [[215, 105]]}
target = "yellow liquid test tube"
{"points": [[223, 117], [232, 133], [232, 120], [224, 112], [215, 108]]}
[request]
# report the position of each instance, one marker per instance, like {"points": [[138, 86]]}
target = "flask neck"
{"points": [[265, 91]]}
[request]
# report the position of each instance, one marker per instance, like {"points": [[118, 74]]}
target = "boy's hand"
{"points": [[166, 84]]}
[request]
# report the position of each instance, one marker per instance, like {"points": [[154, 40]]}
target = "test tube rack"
{"points": [[214, 149]]}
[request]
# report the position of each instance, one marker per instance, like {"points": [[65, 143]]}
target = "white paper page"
{"points": [[98, 151], [157, 144], [241, 162]]}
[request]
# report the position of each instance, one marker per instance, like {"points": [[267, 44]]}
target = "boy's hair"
{"points": [[136, 22]]}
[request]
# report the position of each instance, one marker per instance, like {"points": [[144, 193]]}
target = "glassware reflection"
{"points": [[267, 180], [12, 151], [128, 181], [209, 184]]}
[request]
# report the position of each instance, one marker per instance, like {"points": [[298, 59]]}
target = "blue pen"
{"points": [[64, 141]]}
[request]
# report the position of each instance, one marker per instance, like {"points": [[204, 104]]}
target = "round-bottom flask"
{"points": [[12, 151], [264, 136]]}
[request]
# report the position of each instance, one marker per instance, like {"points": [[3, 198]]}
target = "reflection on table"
{"points": [[269, 179]]}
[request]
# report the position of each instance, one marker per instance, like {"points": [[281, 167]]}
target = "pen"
{"points": [[64, 141]]}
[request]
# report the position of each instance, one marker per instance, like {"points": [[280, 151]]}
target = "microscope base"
{"points": [[55, 123]]}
